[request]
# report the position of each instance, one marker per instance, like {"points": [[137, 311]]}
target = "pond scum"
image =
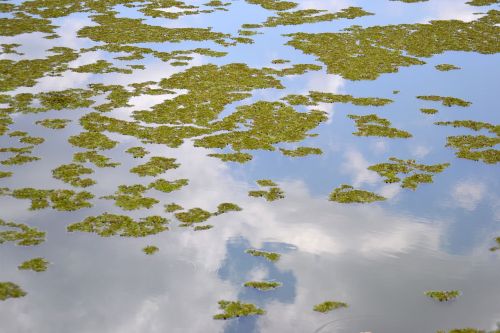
{"points": [[198, 114]]}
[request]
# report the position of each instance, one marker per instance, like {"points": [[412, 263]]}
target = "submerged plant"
{"points": [[329, 306], [10, 290], [271, 256], [347, 194], [262, 285], [150, 249], [35, 264], [237, 309], [443, 296]]}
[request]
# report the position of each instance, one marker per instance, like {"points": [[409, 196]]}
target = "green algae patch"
{"points": [[446, 67], [150, 249], [348, 194], [32, 140], [372, 125], [54, 123], [203, 227], [329, 306], [61, 200], [467, 330], [35, 264], [21, 234], [5, 174], [192, 216], [497, 247], [414, 172], [301, 151], [95, 158], [227, 207], [273, 194], [263, 285], [71, 174], [233, 157], [10, 290], [274, 4], [19, 159], [428, 111], [359, 53], [237, 309], [168, 186], [482, 2], [172, 207], [101, 67], [92, 140], [271, 256], [22, 24], [443, 296], [446, 101], [137, 152], [155, 166], [411, 1], [266, 183], [106, 225], [131, 197]]}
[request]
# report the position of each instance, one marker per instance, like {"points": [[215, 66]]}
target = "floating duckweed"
{"points": [[263, 285], [32, 140], [237, 309], [54, 123], [429, 111], [150, 249], [62, 200], [274, 193], [271, 256], [18, 133], [137, 152], [446, 67], [446, 101], [168, 186], [266, 182], [315, 97], [70, 173], [131, 198], [10, 290], [21, 234], [233, 157], [482, 2], [92, 140], [313, 15], [471, 124], [279, 61], [155, 166], [203, 227], [274, 4], [360, 53], [106, 225], [5, 174], [101, 67], [36, 264], [468, 145], [19, 159], [372, 125], [22, 23], [227, 207], [416, 173], [193, 215], [329, 306], [172, 207], [10, 48], [301, 151], [347, 194], [497, 247], [94, 157], [443, 296]]}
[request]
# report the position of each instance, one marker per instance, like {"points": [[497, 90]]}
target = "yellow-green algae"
{"points": [[329, 306], [348, 194], [497, 247], [130, 197], [10, 290], [372, 125], [70, 173], [360, 53], [274, 4], [168, 186], [193, 215], [227, 207], [5, 174], [263, 285], [137, 152], [32, 140], [203, 227], [315, 97], [21, 234], [482, 2], [54, 123], [155, 166], [446, 101], [92, 140], [446, 67], [468, 330], [414, 172], [429, 111], [266, 182], [62, 200], [94, 157], [101, 67], [301, 151], [150, 249], [106, 225], [172, 207], [443, 296], [234, 309], [233, 157], [21, 23], [271, 256], [35, 264]]}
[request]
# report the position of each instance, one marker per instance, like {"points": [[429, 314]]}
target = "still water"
{"points": [[355, 82]]}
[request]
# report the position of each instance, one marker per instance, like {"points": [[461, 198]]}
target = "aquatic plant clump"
{"points": [[21, 234], [137, 152], [227, 207], [130, 197], [95, 158], [169, 186], [62, 200], [446, 101], [443, 296], [106, 225], [347, 194], [372, 125], [70, 173], [150, 249], [10, 290], [35, 264], [193, 215], [155, 166], [92, 140], [271, 256], [329, 306], [301, 151], [263, 285], [233, 157], [446, 67], [54, 123], [234, 309]]}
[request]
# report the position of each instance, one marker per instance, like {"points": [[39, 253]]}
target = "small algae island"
{"points": [[249, 166]]}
